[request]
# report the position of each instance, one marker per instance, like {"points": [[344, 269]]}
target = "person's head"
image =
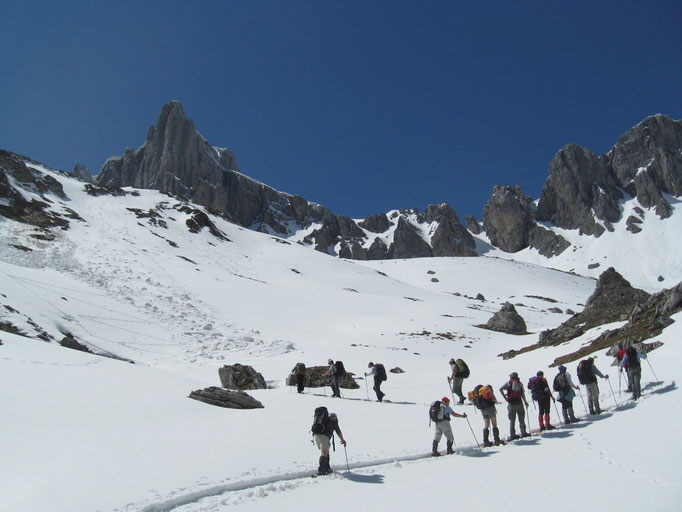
{"points": [[514, 375], [562, 368], [330, 361], [452, 361], [370, 365], [445, 400], [540, 374]]}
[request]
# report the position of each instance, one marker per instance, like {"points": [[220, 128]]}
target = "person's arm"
{"points": [[523, 395], [502, 388], [597, 373], [338, 432]]}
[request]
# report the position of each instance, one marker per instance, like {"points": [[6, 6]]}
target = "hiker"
{"points": [[514, 393], [439, 413], [634, 370], [299, 371], [541, 393], [587, 375], [460, 371], [324, 426], [563, 384], [379, 373], [619, 359], [335, 372], [485, 400]]}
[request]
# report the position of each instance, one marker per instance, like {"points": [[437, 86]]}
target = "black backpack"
{"points": [[560, 382], [436, 412], [633, 360], [585, 372], [300, 369], [479, 401], [320, 420], [537, 388], [381, 371], [340, 370], [462, 369]]}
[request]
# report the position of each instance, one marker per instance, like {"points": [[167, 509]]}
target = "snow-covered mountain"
{"points": [[586, 201], [145, 277]]}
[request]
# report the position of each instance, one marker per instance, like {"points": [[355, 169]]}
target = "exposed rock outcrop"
{"points": [[238, 376], [507, 320], [177, 160], [226, 398], [315, 378]]}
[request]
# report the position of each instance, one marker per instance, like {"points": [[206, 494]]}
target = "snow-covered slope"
{"points": [[82, 432]]}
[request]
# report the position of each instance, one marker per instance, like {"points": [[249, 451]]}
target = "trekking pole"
{"points": [[556, 408], [366, 387], [652, 369], [528, 420], [472, 433], [581, 399], [452, 393], [620, 393], [612, 393], [346, 452]]}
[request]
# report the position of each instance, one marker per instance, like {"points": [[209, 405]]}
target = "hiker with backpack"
{"points": [[515, 395], [379, 372], [540, 392], [587, 376], [336, 370], [325, 425], [299, 371], [439, 414], [485, 400], [563, 384], [634, 370], [459, 371]]}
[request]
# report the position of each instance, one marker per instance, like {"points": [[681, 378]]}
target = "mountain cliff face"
{"points": [[177, 160], [584, 191]]}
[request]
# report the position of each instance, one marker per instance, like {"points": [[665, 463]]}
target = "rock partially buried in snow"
{"points": [[314, 378], [238, 376], [226, 398]]}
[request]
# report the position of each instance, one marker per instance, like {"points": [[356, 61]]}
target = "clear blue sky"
{"points": [[362, 106]]}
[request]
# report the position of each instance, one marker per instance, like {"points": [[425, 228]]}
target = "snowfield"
{"points": [[83, 433]]}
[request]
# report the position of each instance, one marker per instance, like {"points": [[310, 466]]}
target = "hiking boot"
{"points": [[496, 436], [525, 434], [486, 436], [514, 437], [461, 402], [450, 451], [549, 427], [434, 449]]}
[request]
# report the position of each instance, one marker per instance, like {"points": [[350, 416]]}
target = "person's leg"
{"points": [[457, 388], [511, 414]]}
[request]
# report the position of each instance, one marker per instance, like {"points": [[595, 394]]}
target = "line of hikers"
{"points": [[326, 424], [336, 371]]}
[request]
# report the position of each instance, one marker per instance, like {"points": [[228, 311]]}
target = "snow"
{"points": [[83, 433]]}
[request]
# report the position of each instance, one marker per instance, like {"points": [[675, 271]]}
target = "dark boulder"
{"points": [[226, 398], [507, 320], [315, 378], [238, 376]]}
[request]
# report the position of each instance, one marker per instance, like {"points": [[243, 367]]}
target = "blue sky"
{"points": [[362, 106]]}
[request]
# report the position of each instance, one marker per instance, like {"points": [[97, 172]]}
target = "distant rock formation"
{"points": [[177, 160], [82, 173], [583, 190]]}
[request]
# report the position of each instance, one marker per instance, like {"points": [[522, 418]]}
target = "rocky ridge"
{"points": [[583, 190]]}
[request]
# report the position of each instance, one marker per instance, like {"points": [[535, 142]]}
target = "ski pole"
{"points": [[620, 393], [452, 393], [652, 369], [581, 399], [366, 387], [612, 393], [472, 433], [346, 452]]}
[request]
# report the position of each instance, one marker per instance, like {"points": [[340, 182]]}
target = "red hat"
{"points": [[445, 400]]}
